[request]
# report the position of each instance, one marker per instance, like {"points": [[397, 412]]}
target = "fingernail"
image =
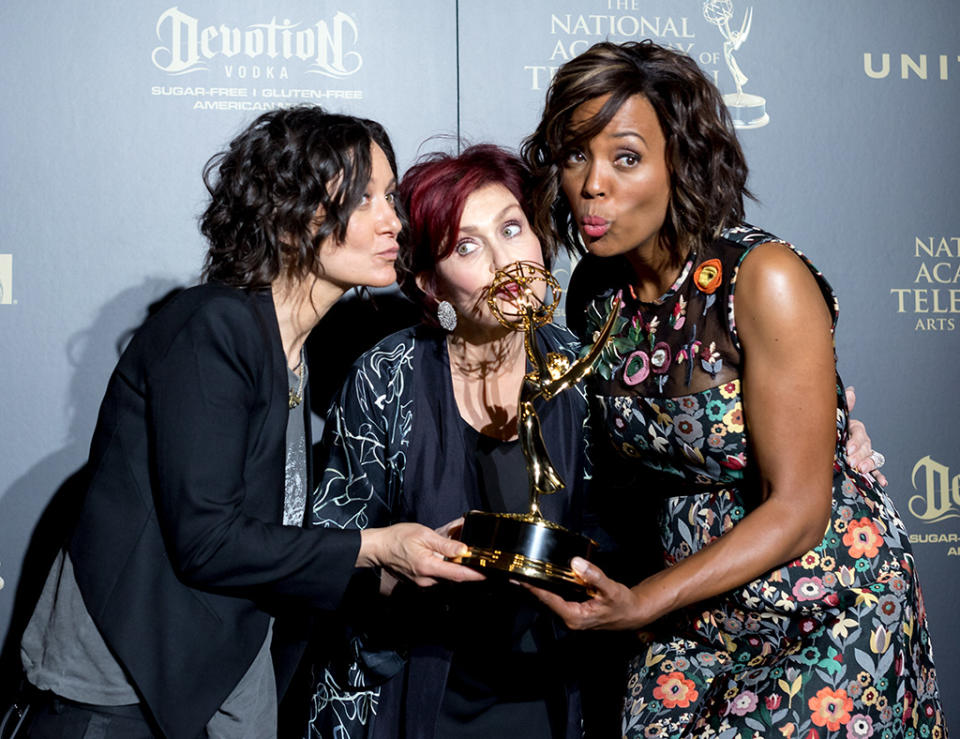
{"points": [[578, 565]]}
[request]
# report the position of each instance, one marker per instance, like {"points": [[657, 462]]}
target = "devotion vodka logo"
{"points": [[327, 47], [938, 492]]}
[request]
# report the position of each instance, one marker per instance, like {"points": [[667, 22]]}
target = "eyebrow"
{"points": [[501, 214], [392, 182], [628, 134]]}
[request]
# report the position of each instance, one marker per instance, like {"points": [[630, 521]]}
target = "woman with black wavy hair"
{"points": [[157, 616]]}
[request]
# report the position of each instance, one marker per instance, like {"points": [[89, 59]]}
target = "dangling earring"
{"points": [[446, 315]]}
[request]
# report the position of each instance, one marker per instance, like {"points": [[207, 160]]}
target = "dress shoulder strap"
{"points": [[750, 237]]}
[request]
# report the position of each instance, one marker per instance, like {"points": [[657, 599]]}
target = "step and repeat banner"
{"points": [[847, 112]]}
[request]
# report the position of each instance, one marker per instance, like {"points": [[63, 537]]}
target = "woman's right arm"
{"points": [[789, 386], [202, 393], [414, 552], [205, 399]]}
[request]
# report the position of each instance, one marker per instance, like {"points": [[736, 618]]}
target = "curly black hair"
{"points": [[708, 172], [283, 186]]}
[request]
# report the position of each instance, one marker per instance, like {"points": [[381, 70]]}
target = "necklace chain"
{"points": [[295, 397]]}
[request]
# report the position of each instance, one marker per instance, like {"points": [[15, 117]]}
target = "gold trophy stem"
{"points": [[527, 546], [543, 476]]}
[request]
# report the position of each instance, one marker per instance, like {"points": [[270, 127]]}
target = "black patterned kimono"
{"points": [[397, 450]]}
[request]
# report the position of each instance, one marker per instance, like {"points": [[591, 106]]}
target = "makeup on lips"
{"points": [[594, 226], [509, 291]]}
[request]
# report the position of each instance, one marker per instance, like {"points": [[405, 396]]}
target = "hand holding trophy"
{"points": [[526, 546]]}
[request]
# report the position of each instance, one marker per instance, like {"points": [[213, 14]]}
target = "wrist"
{"points": [[387, 582], [651, 601], [369, 554]]}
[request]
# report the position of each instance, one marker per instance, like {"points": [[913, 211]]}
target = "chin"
{"points": [[484, 321], [605, 248], [383, 280]]}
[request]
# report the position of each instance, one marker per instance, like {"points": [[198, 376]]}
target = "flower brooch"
{"points": [[708, 276]]}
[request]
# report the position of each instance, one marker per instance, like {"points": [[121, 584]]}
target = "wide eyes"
{"points": [[509, 230], [466, 247]]}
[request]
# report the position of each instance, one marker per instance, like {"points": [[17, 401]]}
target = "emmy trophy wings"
{"points": [[516, 302]]}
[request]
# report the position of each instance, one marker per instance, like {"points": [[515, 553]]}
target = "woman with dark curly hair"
{"points": [[789, 601], [157, 616]]}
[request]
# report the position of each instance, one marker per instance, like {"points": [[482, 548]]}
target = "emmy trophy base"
{"points": [[746, 110], [523, 547]]}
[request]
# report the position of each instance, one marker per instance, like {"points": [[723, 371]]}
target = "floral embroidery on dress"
{"points": [[834, 643]]}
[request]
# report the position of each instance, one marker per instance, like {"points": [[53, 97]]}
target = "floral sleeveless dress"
{"points": [[833, 644]]}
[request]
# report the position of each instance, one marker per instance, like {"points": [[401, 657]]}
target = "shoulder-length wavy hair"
{"points": [[433, 194], [280, 189], [708, 172]]}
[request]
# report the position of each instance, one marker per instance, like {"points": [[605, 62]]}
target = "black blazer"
{"points": [[179, 550]]}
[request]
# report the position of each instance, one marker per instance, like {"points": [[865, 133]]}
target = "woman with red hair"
{"points": [[425, 429]]}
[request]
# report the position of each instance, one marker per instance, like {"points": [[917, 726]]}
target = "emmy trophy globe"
{"points": [[526, 546], [746, 110]]}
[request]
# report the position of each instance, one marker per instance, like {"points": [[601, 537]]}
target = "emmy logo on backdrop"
{"points": [[747, 111], [526, 546]]}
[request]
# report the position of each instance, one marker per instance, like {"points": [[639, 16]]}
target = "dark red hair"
{"points": [[434, 192]]}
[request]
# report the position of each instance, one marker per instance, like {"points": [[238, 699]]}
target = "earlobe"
{"points": [[428, 283]]}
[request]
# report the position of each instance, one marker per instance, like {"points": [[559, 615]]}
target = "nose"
{"points": [[594, 181], [502, 257], [389, 220]]}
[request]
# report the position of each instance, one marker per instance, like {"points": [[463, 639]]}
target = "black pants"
{"points": [[57, 718]]}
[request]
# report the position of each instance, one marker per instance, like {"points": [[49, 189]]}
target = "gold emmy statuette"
{"points": [[526, 546]]}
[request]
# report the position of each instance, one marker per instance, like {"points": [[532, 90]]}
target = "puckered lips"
{"points": [[594, 226], [508, 290], [390, 253]]}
